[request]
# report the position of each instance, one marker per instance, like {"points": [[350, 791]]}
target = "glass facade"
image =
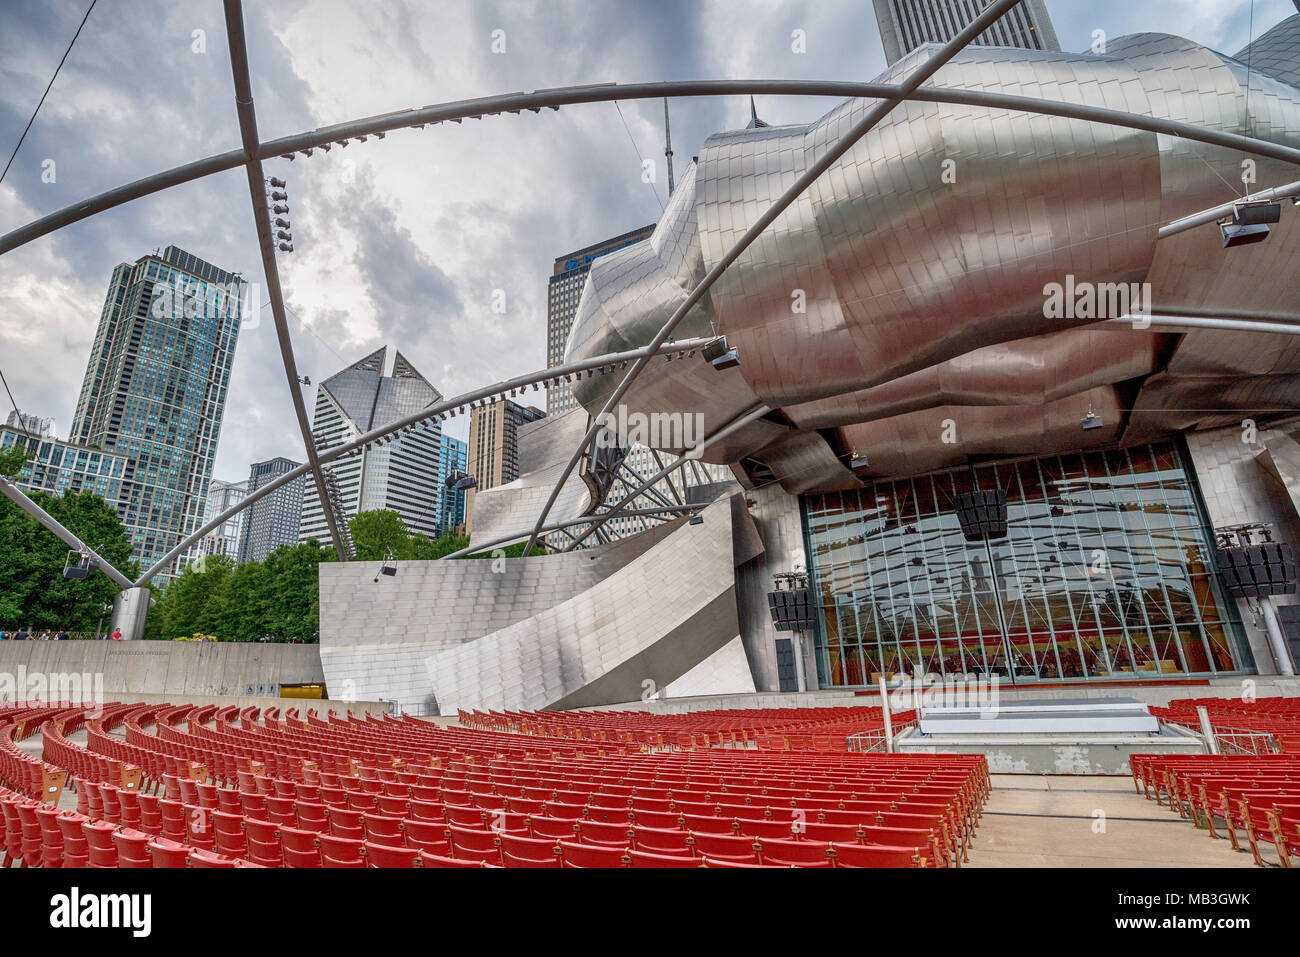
{"points": [[1106, 572]]}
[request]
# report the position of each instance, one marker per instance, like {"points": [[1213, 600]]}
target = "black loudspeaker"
{"points": [[1253, 571], [982, 514], [791, 609]]}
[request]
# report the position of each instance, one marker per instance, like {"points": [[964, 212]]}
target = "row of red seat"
{"points": [[407, 792], [1256, 794], [1278, 717]]}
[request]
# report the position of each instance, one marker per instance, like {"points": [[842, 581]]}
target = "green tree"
{"points": [[377, 534], [33, 591], [12, 460], [293, 586], [196, 599]]}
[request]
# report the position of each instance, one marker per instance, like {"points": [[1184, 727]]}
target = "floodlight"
{"points": [[1256, 212], [277, 183], [1242, 235], [720, 355]]}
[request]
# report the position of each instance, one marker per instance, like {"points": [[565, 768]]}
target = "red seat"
{"points": [[132, 848], [150, 813], [340, 851], [263, 842], [877, 855], [30, 827], [647, 859], [437, 860], [520, 851], [313, 817], [553, 829], [228, 832], [51, 836], [657, 840], [99, 840], [385, 855], [200, 857], [343, 822], [793, 853], [473, 844], [593, 855], [167, 853], [427, 836], [76, 852], [300, 848], [724, 847]]}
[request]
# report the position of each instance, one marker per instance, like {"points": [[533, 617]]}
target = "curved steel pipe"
{"points": [[992, 13], [492, 391], [19, 498], [620, 510], [603, 93]]}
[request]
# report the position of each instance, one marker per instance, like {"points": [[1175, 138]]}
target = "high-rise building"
{"points": [[494, 441], [567, 278], [155, 390], [56, 467], [273, 520], [402, 473], [906, 24], [224, 539], [451, 504]]}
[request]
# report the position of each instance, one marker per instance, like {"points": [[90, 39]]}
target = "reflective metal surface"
{"points": [[566, 630], [912, 277]]}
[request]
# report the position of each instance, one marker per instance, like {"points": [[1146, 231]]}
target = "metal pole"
{"points": [[814, 172], [1276, 640], [266, 240], [605, 92], [397, 425], [1207, 729], [889, 720]]}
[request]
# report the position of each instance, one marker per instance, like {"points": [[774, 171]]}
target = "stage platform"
{"points": [[1048, 736]]}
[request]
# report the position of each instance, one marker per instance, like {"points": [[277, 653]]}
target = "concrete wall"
{"points": [[1238, 488], [171, 669]]}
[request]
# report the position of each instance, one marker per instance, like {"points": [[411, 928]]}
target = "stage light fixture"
{"points": [[1242, 235], [1256, 212], [720, 355]]}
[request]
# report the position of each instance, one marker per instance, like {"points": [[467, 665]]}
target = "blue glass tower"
{"points": [[155, 390], [454, 457]]}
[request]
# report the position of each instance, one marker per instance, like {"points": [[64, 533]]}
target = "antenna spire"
{"points": [[668, 146]]}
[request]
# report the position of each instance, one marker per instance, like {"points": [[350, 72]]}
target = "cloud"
{"points": [[401, 241]]}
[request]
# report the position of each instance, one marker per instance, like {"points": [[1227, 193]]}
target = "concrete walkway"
{"points": [[1092, 821]]}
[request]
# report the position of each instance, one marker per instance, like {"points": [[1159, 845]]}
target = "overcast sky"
{"points": [[401, 241]]}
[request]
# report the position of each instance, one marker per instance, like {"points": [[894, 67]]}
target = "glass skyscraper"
{"points": [[400, 474], [451, 502], [155, 391], [272, 520]]}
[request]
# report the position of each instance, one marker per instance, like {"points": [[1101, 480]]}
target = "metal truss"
{"points": [[252, 153]]}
